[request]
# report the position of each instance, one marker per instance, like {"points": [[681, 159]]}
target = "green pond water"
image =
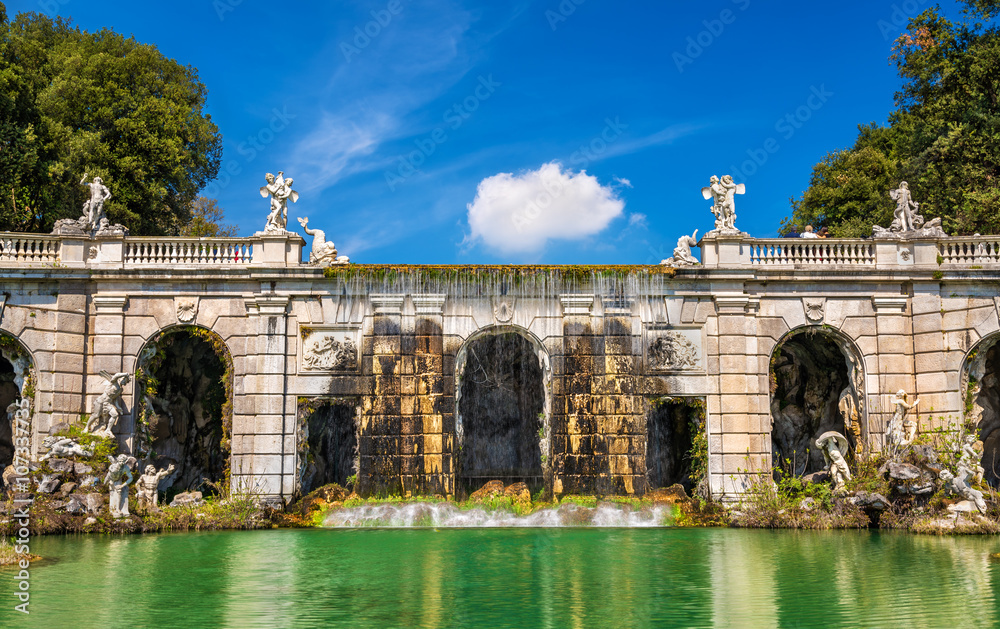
{"points": [[567, 577]]}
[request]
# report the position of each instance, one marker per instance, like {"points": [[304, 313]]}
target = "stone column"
{"points": [[381, 421], [894, 336], [739, 416], [107, 354], [264, 453], [575, 464], [937, 363], [619, 410], [432, 401]]}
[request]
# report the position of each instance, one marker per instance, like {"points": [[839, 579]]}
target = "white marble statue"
{"points": [[969, 458], [106, 411], [63, 446], [906, 223], [280, 191], [723, 194], [901, 430], [93, 209], [118, 478], [148, 486], [834, 445], [682, 252], [323, 252], [958, 484]]}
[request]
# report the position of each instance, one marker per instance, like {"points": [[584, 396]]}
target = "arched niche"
{"points": [[502, 409], [981, 384], [183, 401], [17, 398], [816, 378]]}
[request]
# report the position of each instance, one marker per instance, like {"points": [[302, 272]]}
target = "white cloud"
{"points": [[520, 213]]}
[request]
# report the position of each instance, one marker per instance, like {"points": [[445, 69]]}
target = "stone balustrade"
{"points": [[210, 251], [29, 249], [815, 251]]}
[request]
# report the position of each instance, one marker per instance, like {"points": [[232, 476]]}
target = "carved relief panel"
{"points": [[670, 349], [329, 348]]}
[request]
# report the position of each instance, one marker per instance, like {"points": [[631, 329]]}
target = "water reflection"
{"points": [[568, 577]]}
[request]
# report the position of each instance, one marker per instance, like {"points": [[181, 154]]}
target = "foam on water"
{"points": [[445, 515]]}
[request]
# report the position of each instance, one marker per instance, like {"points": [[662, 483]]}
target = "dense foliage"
{"points": [[943, 138], [75, 103]]}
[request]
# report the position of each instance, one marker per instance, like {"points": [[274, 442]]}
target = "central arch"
{"points": [[184, 393], [816, 378], [502, 409]]}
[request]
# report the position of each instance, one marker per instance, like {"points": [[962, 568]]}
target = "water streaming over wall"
{"points": [[446, 515]]}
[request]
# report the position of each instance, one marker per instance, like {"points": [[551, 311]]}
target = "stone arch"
{"points": [[469, 423], [17, 399], [183, 400], [816, 377], [981, 397]]}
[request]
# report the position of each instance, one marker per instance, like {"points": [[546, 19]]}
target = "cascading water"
{"points": [[332, 445], [446, 515], [501, 410], [670, 431]]}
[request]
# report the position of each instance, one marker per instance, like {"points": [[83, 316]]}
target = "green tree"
{"points": [[73, 102], [206, 220], [943, 138]]}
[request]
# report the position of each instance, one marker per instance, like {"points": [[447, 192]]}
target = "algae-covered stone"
{"points": [[489, 490], [667, 495], [519, 492]]}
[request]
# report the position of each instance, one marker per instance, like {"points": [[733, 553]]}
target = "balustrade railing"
{"points": [[811, 251], [25, 248], [163, 251], [970, 250]]}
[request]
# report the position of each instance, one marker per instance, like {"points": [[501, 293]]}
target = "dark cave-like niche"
{"points": [[330, 436], [671, 427], [184, 406], [808, 374], [501, 409], [9, 394], [985, 408]]}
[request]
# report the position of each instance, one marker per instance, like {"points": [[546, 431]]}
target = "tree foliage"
{"points": [[206, 220], [73, 102], [943, 138]]}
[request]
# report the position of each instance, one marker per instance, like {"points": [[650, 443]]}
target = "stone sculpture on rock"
{"points": [[682, 252], [106, 411], [958, 484], [969, 459], [323, 251], [848, 406], [723, 193], [906, 223], [901, 430], [118, 478], [63, 446], [834, 445], [280, 191], [148, 486], [93, 221]]}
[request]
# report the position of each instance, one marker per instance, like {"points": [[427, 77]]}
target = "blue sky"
{"points": [[534, 131]]}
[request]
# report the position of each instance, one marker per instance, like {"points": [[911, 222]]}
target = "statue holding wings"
{"points": [[723, 193], [280, 191]]}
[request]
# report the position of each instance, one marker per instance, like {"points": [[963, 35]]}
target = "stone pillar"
{"points": [[620, 410], [265, 455], [60, 367], [738, 416], [107, 338], [381, 421], [277, 249], [575, 464], [431, 405], [895, 360], [937, 363]]}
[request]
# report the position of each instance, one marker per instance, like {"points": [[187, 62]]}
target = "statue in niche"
{"points": [[106, 412], [672, 351], [723, 193], [848, 406], [901, 431], [118, 478], [63, 447], [834, 445], [906, 223], [147, 488], [280, 191], [682, 252], [969, 458], [958, 484], [323, 252], [325, 353]]}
